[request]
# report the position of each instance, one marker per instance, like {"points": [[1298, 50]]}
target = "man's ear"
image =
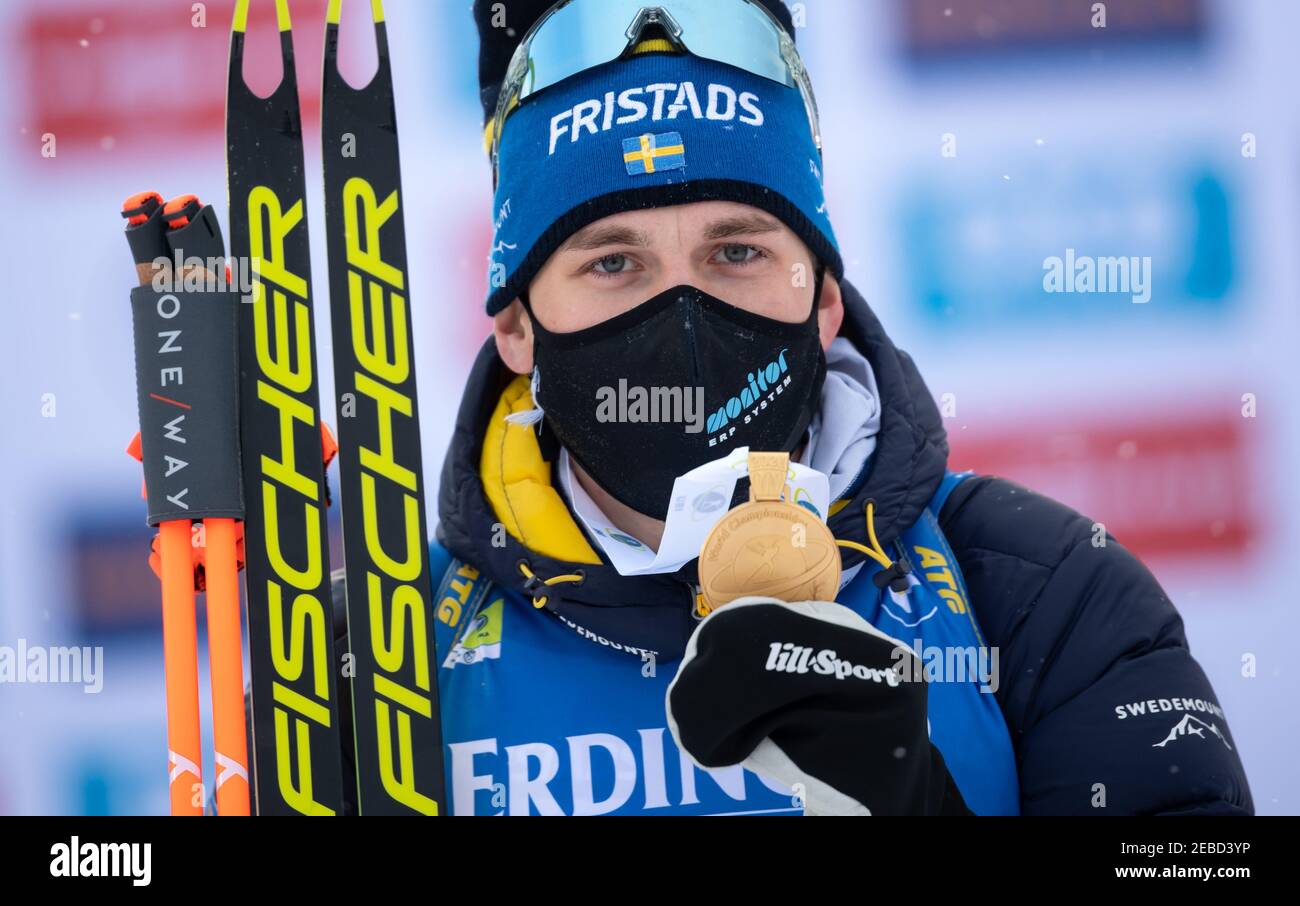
{"points": [[830, 311], [513, 332]]}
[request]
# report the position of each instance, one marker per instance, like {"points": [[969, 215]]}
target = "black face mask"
{"points": [[676, 382]]}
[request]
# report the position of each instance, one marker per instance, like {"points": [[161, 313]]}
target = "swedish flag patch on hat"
{"points": [[648, 153]]}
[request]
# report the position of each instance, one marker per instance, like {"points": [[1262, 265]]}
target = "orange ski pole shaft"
{"points": [[226, 661], [143, 213], [221, 579], [181, 666]]}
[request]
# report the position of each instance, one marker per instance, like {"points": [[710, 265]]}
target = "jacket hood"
{"points": [[499, 512]]}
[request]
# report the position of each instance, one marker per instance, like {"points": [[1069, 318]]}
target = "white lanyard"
{"points": [[699, 499]]}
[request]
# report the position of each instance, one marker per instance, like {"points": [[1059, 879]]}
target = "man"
{"points": [[666, 288]]}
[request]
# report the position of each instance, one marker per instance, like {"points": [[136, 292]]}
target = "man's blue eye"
{"points": [[612, 264], [738, 254]]}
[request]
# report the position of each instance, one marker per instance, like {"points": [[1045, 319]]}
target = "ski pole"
{"points": [[226, 663], [180, 658], [193, 232], [189, 449], [180, 633]]}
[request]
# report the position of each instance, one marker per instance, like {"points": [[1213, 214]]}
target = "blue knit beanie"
{"points": [[649, 131]]}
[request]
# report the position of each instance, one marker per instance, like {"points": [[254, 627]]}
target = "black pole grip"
{"points": [[187, 388], [200, 238]]}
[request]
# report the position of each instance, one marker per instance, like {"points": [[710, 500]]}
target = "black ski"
{"points": [[389, 593], [296, 741]]}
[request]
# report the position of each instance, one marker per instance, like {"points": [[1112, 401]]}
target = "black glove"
{"points": [[814, 696]]}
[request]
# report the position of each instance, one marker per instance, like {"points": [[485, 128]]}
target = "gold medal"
{"points": [[769, 546]]}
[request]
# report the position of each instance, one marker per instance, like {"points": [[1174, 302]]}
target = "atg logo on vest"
{"points": [[717, 102], [602, 774]]}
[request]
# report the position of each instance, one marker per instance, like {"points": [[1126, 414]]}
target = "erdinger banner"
{"points": [[75, 88], [1178, 486], [940, 30]]}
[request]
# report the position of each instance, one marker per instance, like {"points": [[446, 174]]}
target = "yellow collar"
{"points": [[517, 481]]}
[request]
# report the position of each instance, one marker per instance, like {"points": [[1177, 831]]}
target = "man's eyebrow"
{"points": [[597, 236], [738, 226]]}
